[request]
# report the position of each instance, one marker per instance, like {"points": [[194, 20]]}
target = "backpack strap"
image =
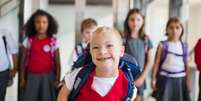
{"points": [[146, 43], [80, 80], [6, 49], [5, 44], [185, 51], [29, 43], [86, 70], [52, 44], [165, 52], [127, 72], [80, 49]]}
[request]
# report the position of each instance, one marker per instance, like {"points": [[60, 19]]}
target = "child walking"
{"points": [[88, 26], [170, 75], [138, 45], [40, 64], [106, 82]]}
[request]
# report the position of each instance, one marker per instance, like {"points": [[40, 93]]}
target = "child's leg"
{"points": [[4, 76], [32, 87], [48, 92]]}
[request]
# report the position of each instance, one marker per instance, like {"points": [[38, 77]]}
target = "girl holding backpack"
{"points": [[170, 76]]}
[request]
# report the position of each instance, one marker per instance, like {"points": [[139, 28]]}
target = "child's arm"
{"points": [[143, 75], [58, 66], [14, 70], [188, 81], [23, 68], [155, 67], [63, 94]]}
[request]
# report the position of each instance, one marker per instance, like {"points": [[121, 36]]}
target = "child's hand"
{"points": [[22, 83], [139, 81], [189, 86], [56, 83], [12, 73], [153, 85]]}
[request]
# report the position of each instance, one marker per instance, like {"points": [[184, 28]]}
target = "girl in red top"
{"points": [[198, 63], [40, 64]]}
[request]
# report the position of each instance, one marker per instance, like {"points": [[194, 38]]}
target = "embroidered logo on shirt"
{"points": [[46, 48]]}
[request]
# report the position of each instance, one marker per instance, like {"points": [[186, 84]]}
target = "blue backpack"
{"points": [[127, 64]]}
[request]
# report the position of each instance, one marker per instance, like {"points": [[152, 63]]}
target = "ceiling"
{"points": [[2, 2]]}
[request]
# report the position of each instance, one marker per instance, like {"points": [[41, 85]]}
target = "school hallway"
{"points": [[70, 13]]}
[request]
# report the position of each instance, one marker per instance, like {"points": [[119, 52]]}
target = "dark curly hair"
{"points": [[30, 29], [127, 30]]}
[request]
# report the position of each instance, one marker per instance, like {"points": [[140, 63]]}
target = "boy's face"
{"points": [[41, 24], [87, 32], [106, 49]]}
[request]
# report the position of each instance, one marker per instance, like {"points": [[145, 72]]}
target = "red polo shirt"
{"points": [[40, 56]]}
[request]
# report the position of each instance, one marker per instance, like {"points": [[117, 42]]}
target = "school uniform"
{"points": [[40, 69], [172, 84], [5, 51], [137, 48], [100, 88], [79, 50], [198, 63]]}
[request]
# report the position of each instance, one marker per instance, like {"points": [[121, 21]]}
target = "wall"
{"points": [[65, 15]]}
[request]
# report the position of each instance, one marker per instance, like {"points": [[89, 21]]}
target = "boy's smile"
{"points": [[106, 49]]}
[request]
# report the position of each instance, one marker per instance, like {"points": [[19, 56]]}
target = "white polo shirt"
{"points": [[11, 48]]}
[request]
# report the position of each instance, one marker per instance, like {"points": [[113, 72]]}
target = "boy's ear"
{"points": [[122, 50]]}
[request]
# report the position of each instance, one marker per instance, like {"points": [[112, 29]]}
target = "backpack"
{"points": [[165, 52], [127, 64], [79, 49]]}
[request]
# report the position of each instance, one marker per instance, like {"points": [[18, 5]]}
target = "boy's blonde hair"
{"points": [[105, 29], [88, 23]]}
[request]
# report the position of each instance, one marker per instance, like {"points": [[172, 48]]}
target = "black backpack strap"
{"points": [[5, 44], [82, 60], [80, 80]]}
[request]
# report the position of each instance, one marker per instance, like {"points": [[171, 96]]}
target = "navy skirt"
{"points": [[171, 89]]}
